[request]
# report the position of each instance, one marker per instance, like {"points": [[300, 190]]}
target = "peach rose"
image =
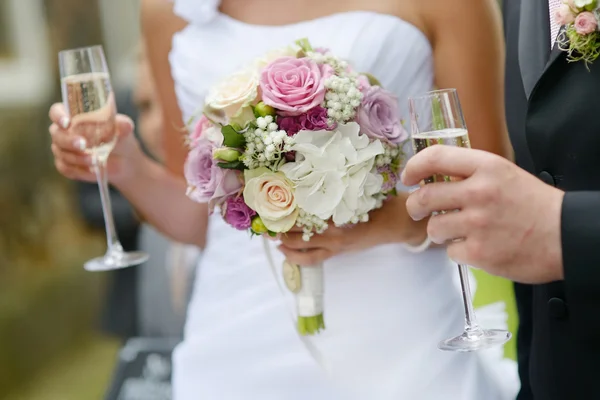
{"points": [[271, 195]]}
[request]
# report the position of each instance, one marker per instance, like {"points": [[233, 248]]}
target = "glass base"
{"points": [[478, 340], [116, 260]]}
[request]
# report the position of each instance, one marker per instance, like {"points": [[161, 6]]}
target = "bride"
{"points": [[389, 300]]}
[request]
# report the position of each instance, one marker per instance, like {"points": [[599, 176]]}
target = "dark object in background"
{"points": [[120, 312], [144, 370]]}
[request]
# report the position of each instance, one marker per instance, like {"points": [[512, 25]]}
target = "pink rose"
{"points": [[207, 182], [564, 15], [294, 85], [586, 23], [202, 125], [379, 116]]}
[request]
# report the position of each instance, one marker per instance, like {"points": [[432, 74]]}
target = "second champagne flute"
{"points": [[89, 99], [437, 118]]}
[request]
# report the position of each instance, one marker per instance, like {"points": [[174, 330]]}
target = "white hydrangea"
{"points": [[334, 173]]}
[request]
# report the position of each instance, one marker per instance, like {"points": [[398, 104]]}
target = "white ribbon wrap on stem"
{"points": [[310, 297], [312, 349]]}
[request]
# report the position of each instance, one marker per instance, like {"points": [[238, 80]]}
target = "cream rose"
{"points": [[231, 98], [271, 195]]}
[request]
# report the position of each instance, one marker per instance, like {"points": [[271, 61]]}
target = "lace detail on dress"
{"points": [[197, 11]]}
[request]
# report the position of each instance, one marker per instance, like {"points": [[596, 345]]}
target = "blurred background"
{"points": [[61, 328]]}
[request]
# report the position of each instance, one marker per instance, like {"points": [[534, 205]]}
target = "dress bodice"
{"points": [[214, 45]]}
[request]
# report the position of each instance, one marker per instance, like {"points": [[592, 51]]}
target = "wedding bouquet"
{"points": [[296, 138]]}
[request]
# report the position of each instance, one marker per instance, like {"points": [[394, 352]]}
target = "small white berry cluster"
{"points": [[391, 154], [342, 99], [339, 66], [310, 224], [266, 144]]}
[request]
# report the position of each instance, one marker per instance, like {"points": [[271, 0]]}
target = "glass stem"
{"points": [[112, 239], [471, 326]]}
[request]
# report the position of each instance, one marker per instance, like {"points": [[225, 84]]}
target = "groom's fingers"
{"points": [[442, 160], [447, 227], [434, 197]]}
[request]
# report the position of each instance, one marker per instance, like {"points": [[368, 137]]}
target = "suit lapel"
{"points": [[534, 41]]}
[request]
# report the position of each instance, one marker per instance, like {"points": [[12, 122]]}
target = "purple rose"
{"points": [[294, 85], [237, 214], [313, 120], [207, 182], [379, 116]]}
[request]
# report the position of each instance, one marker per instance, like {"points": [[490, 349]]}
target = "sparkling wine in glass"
{"points": [[89, 100], [437, 118]]}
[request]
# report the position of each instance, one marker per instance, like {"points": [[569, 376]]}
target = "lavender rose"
{"points": [[313, 120], [379, 116], [207, 182], [237, 214], [294, 85]]}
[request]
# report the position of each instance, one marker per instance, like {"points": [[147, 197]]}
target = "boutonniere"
{"points": [[580, 37]]}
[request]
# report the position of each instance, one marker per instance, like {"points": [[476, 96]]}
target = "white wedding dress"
{"points": [[386, 308]]}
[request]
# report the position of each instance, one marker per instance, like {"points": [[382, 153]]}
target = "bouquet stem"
{"points": [[309, 300], [310, 325]]}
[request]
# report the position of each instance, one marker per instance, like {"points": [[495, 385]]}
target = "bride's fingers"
{"points": [[74, 173], [305, 257], [72, 159], [293, 240]]}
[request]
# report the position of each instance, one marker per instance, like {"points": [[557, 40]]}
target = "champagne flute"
{"points": [[90, 103], [437, 118]]}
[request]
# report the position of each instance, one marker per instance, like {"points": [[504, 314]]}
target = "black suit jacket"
{"points": [[554, 124]]}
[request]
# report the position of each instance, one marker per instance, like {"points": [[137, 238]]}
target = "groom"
{"points": [[540, 227]]}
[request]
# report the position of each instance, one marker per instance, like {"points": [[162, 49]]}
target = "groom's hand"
{"points": [[506, 221]]}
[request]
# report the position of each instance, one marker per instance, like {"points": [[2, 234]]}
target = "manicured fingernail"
{"points": [[64, 122], [402, 176], [412, 190], [80, 143]]}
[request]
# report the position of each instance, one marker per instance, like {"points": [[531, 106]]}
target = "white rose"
{"points": [[231, 97], [288, 51], [271, 195], [334, 172]]}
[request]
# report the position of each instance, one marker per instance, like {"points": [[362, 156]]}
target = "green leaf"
{"points": [[304, 44], [272, 234], [231, 138], [372, 80], [232, 165]]}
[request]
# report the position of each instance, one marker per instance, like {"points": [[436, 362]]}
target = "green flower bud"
{"points": [[226, 154], [262, 110], [258, 226]]}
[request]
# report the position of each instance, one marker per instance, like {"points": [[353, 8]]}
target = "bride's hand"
{"points": [[389, 224], [73, 163]]}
